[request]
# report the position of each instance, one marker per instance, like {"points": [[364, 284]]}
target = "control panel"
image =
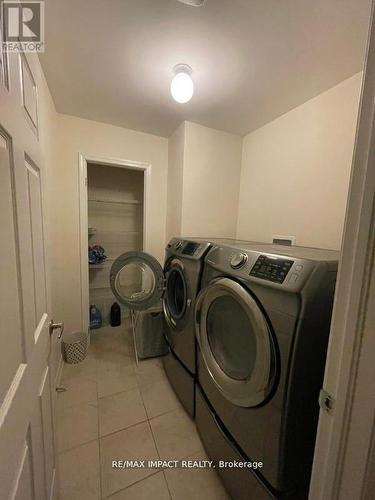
{"points": [[273, 269], [190, 248], [238, 260], [264, 265]]}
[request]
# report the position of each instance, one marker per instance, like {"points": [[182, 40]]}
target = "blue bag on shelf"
{"points": [[96, 254], [95, 317]]}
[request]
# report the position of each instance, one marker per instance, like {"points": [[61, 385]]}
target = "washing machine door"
{"points": [[137, 280], [177, 294], [235, 342]]}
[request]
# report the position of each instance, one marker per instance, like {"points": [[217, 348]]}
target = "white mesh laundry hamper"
{"points": [[149, 336], [75, 346]]}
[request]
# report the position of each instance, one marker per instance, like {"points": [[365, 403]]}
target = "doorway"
{"points": [[113, 220]]}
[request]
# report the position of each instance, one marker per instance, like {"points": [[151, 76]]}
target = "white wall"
{"points": [[211, 182], [176, 149], [296, 170], [97, 139], [294, 180], [203, 181]]}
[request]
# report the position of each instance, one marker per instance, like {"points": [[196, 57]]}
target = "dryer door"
{"points": [[235, 342], [137, 280], [176, 297]]}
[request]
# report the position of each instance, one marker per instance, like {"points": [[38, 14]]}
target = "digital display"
{"points": [[271, 269], [190, 248]]}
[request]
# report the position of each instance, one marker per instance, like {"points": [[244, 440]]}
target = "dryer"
{"points": [[139, 281], [262, 325]]}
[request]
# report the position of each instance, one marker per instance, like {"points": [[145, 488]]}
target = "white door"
{"points": [[27, 458]]}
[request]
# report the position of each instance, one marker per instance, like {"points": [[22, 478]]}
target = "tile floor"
{"points": [[113, 409]]}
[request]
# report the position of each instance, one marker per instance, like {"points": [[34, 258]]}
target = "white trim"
{"points": [[344, 437], [11, 393], [53, 492], [83, 217], [21, 468], [83, 233], [24, 63]]}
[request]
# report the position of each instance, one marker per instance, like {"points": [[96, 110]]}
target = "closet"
{"points": [[115, 223]]}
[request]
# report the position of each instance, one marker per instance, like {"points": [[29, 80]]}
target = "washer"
{"points": [[139, 281], [262, 325]]}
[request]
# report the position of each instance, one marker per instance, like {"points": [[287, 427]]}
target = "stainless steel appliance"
{"points": [[140, 282], [262, 324]]}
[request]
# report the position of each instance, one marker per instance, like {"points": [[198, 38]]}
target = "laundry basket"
{"points": [[75, 346], [148, 333]]}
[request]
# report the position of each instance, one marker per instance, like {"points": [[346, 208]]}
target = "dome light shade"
{"points": [[182, 86], [193, 3]]}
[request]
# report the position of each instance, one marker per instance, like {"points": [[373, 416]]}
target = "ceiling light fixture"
{"points": [[182, 86], [193, 3]]}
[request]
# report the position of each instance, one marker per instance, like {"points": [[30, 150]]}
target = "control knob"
{"points": [[238, 260], [178, 245]]}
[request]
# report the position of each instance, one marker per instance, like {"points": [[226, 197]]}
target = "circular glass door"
{"points": [[137, 280], [236, 343], [175, 293]]}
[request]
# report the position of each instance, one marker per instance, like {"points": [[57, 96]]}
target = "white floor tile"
{"points": [[132, 401], [150, 371], [79, 472], [86, 369], [77, 425], [159, 398], [120, 410], [78, 390], [112, 358], [134, 443], [152, 488], [108, 339], [114, 377], [185, 484], [175, 435]]}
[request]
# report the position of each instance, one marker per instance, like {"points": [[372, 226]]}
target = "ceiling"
{"points": [[252, 60]]}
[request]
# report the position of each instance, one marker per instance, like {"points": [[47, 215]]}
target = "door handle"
{"points": [[56, 326]]}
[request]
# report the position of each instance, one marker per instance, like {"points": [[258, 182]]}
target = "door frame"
{"points": [[345, 438], [84, 160]]}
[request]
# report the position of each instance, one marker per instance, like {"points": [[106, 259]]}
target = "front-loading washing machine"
{"points": [[262, 325], [140, 282]]}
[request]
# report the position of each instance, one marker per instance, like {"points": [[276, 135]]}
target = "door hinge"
{"points": [[326, 401], [85, 181]]}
